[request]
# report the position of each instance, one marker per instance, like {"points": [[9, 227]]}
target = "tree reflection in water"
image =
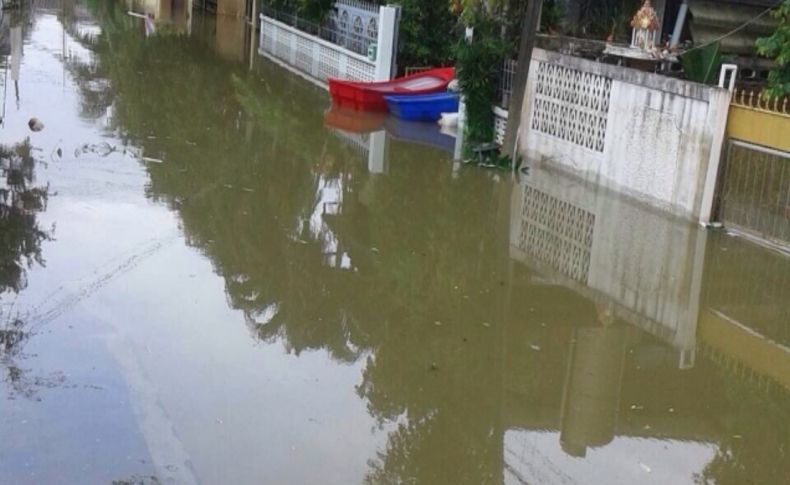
{"points": [[248, 166], [20, 248]]}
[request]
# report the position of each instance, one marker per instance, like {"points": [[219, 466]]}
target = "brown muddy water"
{"points": [[202, 281]]}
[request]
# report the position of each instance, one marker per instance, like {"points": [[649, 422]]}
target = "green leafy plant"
{"points": [[777, 47], [702, 64], [311, 10], [426, 36], [478, 67]]}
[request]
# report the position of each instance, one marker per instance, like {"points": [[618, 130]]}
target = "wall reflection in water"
{"points": [[544, 329], [662, 289]]}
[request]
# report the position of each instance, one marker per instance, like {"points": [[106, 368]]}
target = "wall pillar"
{"points": [[389, 17], [232, 8]]}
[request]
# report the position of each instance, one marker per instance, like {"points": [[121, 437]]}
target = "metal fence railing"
{"points": [[753, 98], [416, 70], [346, 31], [755, 191], [505, 88]]}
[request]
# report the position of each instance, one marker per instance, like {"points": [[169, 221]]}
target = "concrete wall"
{"points": [[654, 138]]}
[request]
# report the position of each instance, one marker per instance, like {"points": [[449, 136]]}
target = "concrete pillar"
{"points": [[389, 17], [16, 51], [232, 8], [717, 119], [231, 37]]}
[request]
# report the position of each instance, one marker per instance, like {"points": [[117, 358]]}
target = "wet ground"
{"points": [[206, 279]]}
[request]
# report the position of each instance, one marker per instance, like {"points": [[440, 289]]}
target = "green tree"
{"points": [[777, 47]]}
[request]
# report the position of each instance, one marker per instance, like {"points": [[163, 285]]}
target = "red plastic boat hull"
{"points": [[369, 96]]}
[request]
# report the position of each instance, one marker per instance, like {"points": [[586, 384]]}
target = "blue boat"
{"points": [[422, 132], [424, 107]]}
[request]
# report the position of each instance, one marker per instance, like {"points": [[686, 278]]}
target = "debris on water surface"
{"points": [[637, 407], [437, 323], [152, 160], [535, 347], [35, 124], [102, 149], [138, 480], [486, 325]]}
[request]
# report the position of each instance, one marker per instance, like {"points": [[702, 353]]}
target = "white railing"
{"points": [[358, 4], [319, 59], [505, 88], [311, 55]]}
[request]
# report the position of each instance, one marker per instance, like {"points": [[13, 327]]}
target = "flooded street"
{"points": [[207, 278]]}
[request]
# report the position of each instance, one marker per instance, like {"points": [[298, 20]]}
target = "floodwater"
{"points": [[205, 279]]}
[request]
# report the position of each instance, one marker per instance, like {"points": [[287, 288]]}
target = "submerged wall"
{"points": [[654, 138]]}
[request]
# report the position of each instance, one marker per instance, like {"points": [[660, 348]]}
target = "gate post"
{"points": [[389, 17]]}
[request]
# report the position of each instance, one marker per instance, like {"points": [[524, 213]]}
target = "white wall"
{"points": [[654, 138]]}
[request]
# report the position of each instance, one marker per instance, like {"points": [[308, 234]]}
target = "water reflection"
{"points": [[537, 330], [662, 290], [583, 329], [21, 237]]}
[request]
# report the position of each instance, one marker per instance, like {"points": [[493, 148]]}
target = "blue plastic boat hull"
{"points": [[427, 107]]}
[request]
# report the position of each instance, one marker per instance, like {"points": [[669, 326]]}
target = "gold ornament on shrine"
{"points": [[645, 25]]}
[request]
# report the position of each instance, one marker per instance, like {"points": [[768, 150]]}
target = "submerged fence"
{"points": [[754, 189]]}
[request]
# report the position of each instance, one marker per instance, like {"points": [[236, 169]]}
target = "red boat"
{"points": [[369, 96]]}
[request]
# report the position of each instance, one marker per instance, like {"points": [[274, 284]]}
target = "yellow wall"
{"points": [[760, 127]]}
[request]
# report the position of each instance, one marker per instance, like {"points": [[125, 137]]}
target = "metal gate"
{"points": [[754, 195]]}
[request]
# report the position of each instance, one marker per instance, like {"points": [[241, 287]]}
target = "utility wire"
{"points": [[736, 30]]}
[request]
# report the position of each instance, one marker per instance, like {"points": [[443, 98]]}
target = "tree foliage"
{"points": [[479, 64], [777, 47], [427, 33], [312, 10]]}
